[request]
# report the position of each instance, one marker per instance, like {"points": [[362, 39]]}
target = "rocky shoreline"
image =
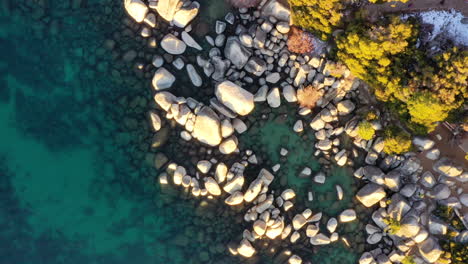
{"points": [[253, 68]]}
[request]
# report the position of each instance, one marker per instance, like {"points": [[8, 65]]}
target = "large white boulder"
{"points": [[136, 9], [162, 79], [347, 215], [167, 8], [273, 98], [277, 10], [235, 198], [172, 45], [185, 15], [165, 100], [370, 194], [235, 97], [228, 146], [207, 128], [245, 249], [212, 186]]}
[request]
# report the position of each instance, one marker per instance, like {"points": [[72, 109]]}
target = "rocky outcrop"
{"points": [[235, 97], [370, 194], [137, 9], [207, 127]]}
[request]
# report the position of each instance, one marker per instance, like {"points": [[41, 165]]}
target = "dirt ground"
{"points": [[375, 11]]}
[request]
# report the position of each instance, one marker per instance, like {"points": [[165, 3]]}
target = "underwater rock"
{"points": [[190, 41], [172, 45], [235, 97], [347, 215], [162, 79], [194, 76], [155, 121], [332, 224]]}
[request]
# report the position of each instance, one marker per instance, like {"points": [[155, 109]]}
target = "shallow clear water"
{"points": [[77, 180]]}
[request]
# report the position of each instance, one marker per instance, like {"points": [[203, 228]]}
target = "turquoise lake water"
{"points": [[77, 181]]}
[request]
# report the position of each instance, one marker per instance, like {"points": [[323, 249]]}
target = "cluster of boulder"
{"points": [[256, 55], [405, 196], [265, 210]]}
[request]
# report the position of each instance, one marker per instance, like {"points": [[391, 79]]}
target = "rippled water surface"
{"points": [[77, 177]]}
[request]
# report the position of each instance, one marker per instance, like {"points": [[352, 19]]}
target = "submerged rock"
{"points": [[162, 79], [172, 45]]}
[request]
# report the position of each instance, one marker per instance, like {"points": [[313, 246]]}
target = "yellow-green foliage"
{"points": [[425, 109], [374, 54], [393, 225], [365, 130], [396, 141], [317, 16], [371, 116], [450, 82]]}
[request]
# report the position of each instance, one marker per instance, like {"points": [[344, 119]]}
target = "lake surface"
{"points": [[77, 177]]}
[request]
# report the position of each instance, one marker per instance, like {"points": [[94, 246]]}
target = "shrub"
{"points": [[378, 54], [300, 41], [396, 141], [393, 225], [426, 110], [320, 17], [308, 96], [244, 3], [365, 130]]}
